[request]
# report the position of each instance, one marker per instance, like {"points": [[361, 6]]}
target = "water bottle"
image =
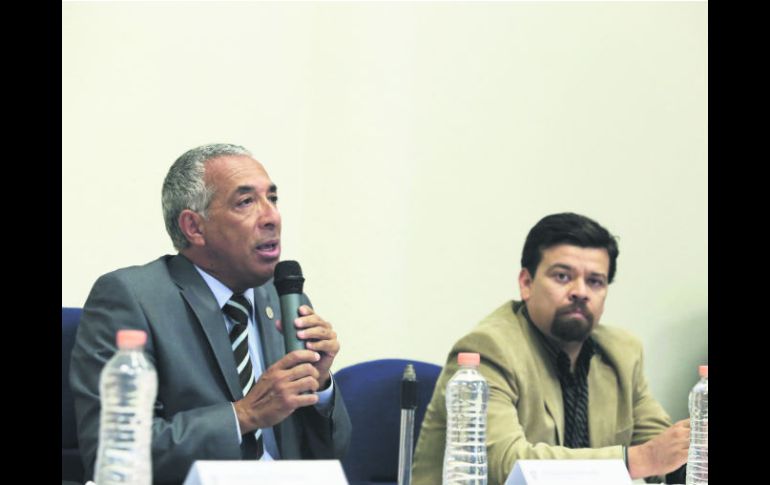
{"points": [[698, 457], [128, 385], [465, 456]]}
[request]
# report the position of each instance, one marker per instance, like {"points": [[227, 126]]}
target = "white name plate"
{"points": [[284, 472], [569, 472]]}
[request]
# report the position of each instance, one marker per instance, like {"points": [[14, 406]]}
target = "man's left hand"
{"points": [[318, 336]]}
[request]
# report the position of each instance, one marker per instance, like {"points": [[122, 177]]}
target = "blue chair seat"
{"points": [[372, 394], [71, 464]]}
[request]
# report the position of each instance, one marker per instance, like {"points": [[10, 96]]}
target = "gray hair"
{"points": [[184, 187]]}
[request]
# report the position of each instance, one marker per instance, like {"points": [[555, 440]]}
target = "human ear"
{"points": [[525, 284], [191, 225]]}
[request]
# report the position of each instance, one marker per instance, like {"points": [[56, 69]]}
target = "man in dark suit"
{"points": [[220, 210]]}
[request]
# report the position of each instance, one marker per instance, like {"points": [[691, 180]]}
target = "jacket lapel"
{"points": [[551, 388], [203, 304], [265, 304], [602, 402], [554, 404], [273, 349]]}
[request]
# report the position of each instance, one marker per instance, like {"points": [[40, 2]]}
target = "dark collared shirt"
{"points": [[574, 387]]}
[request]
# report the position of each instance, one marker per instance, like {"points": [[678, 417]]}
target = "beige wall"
{"points": [[414, 145]]}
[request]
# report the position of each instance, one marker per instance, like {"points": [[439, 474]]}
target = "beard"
{"points": [[570, 328]]}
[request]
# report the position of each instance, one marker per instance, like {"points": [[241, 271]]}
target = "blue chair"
{"points": [[71, 464], [372, 394]]}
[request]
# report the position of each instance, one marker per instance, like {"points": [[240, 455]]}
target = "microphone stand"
{"points": [[408, 405]]}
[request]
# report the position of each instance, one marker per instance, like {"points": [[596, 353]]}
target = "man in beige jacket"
{"points": [[561, 386]]}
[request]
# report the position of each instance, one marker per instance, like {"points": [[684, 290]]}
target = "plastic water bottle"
{"points": [[128, 386], [698, 457], [465, 456]]}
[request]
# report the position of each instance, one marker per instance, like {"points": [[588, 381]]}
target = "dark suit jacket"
{"points": [[187, 342]]}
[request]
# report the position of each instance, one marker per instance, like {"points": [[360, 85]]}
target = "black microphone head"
{"points": [[288, 277]]}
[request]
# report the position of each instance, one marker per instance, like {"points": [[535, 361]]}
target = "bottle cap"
{"points": [[468, 358], [703, 371], [131, 339]]}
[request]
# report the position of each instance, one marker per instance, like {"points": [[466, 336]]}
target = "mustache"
{"points": [[576, 306]]}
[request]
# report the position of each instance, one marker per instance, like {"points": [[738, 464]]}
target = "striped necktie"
{"points": [[238, 310]]}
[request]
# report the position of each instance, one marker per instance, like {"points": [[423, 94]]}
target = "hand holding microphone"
{"points": [[309, 331], [291, 382]]}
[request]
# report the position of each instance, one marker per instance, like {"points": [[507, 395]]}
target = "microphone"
{"points": [[288, 281], [408, 405]]}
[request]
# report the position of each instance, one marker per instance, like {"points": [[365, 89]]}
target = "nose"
{"points": [[269, 217], [578, 290]]}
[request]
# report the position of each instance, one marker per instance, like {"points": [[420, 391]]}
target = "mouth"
{"points": [[269, 249], [574, 312]]}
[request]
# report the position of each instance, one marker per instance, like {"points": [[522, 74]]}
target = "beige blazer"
{"points": [[525, 417]]}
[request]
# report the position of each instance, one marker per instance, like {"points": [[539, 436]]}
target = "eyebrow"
{"points": [[560, 265], [245, 189], [569, 268]]}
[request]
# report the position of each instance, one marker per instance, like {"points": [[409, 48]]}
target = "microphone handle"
{"points": [[406, 442], [405, 447], [290, 304]]}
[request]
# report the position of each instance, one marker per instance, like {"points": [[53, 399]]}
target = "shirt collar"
{"points": [[221, 292]]}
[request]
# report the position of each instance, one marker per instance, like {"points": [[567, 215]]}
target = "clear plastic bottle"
{"points": [[465, 456], [128, 386], [698, 457]]}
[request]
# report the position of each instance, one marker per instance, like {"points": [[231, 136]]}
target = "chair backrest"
{"points": [[372, 394], [71, 464]]}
